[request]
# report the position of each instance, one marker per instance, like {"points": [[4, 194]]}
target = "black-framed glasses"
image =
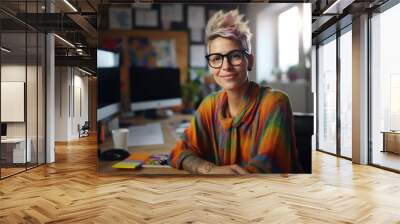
{"points": [[235, 58]]}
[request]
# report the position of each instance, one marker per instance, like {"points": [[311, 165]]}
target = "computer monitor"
{"points": [[154, 88], [3, 130], [108, 94], [107, 59]]}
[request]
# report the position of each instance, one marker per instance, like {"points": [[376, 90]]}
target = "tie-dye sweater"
{"points": [[260, 138]]}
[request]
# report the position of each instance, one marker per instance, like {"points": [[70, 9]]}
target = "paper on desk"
{"points": [[150, 134]]}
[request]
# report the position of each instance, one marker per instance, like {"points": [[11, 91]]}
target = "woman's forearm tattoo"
{"points": [[196, 165]]}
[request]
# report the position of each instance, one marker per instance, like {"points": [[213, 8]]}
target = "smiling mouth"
{"points": [[227, 76]]}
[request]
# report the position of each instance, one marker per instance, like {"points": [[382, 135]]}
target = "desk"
{"points": [[391, 141], [13, 150], [167, 126]]}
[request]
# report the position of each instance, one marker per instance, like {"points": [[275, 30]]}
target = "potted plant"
{"points": [[277, 73], [191, 91], [298, 72]]}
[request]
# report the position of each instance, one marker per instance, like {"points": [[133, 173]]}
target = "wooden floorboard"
{"points": [[71, 191]]}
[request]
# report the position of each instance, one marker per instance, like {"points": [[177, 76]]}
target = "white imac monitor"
{"points": [[154, 88]]}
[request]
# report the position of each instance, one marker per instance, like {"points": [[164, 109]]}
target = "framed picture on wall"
{"points": [[12, 101]]}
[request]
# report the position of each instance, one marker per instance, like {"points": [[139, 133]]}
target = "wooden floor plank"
{"points": [[71, 191]]}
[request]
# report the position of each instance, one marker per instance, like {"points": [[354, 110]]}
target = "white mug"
{"points": [[120, 138]]}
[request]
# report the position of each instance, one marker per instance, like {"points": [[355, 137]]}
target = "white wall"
{"points": [[33, 126], [12, 73], [80, 94], [61, 103], [298, 93], [71, 87]]}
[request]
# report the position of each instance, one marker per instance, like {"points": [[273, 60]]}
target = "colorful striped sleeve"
{"points": [[196, 138], [277, 151]]}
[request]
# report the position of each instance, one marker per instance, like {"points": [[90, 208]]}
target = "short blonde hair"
{"points": [[230, 25]]}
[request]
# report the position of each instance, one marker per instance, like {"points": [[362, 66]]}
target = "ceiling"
{"points": [[79, 27], [326, 21]]}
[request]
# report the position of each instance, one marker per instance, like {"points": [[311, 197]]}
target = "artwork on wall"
{"points": [[112, 43], [146, 18], [196, 19], [172, 12], [165, 53], [196, 35], [141, 52], [152, 53], [12, 101], [120, 18]]}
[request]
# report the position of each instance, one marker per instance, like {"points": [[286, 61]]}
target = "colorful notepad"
{"points": [[128, 164], [157, 159], [140, 156], [137, 160]]}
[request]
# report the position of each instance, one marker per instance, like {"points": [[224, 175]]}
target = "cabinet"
{"points": [[13, 150], [391, 141]]}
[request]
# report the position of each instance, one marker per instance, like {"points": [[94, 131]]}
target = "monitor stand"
{"points": [[150, 114], [155, 114]]}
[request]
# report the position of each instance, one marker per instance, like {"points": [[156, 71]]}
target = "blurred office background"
{"points": [[54, 44], [172, 35], [152, 56]]}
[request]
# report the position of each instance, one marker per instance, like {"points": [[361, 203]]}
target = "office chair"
{"points": [[84, 130]]}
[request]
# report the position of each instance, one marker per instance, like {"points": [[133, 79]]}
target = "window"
{"points": [[22, 65], [385, 84], [346, 94], [327, 96], [266, 45], [289, 28]]}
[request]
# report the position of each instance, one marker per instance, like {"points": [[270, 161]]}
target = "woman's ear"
{"points": [[250, 62]]}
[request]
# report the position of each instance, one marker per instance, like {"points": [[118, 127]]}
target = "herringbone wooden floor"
{"points": [[71, 191]]}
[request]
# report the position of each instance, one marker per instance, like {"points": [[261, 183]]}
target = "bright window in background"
{"points": [[385, 82], [327, 96], [314, 91], [265, 44], [395, 101], [107, 59], [346, 94], [289, 28], [307, 30]]}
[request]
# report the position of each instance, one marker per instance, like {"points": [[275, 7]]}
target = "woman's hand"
{"points": [[238, 169], [194, 164], [230, 169]]}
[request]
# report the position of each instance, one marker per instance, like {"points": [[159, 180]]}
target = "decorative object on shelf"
{"points": [[298, 72], [391, 141], [277, 73]]}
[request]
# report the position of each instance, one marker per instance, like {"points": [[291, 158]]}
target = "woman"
{"points": [[245, 128]]}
